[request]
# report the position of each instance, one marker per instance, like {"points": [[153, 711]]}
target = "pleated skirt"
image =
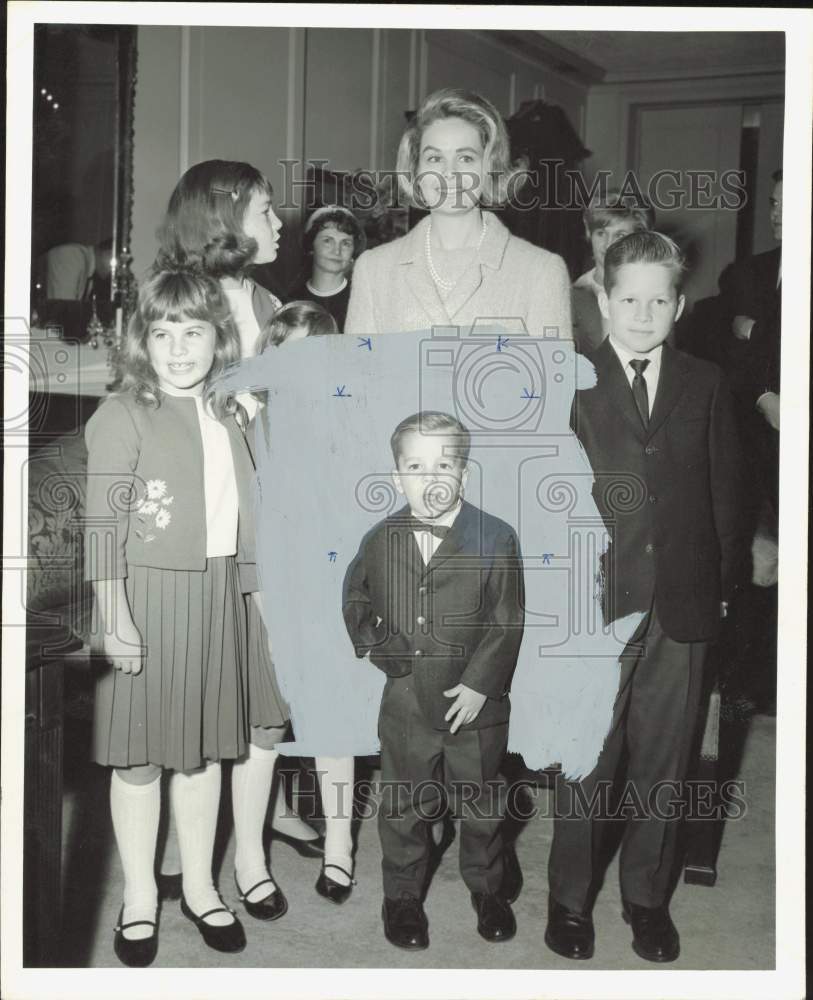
{"points": [[266, 705], [189, 703]]}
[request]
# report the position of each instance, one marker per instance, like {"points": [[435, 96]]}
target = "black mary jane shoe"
{"points": [[271, 907], [169, 886], [304, 848], [332, 890], [135, 953], [230, 937]]}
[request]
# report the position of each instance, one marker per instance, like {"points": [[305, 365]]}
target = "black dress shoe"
{"points": [[512, 875], [136, 953], [271, 907], [304, 848], [405, 923], [170, 886], [230, 937], [495, 919], [654, 936], [332, 890], [569, 934]]}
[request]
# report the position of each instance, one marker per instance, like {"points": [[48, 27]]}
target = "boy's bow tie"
{"points": [[438, 530]]}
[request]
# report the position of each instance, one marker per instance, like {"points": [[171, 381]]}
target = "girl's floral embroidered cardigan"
{"points": [[145, 497]]}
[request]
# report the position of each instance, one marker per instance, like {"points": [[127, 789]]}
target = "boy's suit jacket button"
{"points": [[421, 590], [419, 652], [420, 620], [653, 499], [649, 547], [650, 450]]}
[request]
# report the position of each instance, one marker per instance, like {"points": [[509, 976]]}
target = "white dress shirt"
{"points": [[651, 372], [427, 542]]}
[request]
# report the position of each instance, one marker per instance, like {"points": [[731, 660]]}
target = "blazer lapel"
{"points": [[470, 281], [464, 536], [671, 382], [489, 258], [418, 279]]}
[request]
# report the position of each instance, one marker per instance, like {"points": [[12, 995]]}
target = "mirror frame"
{"points": [[123, 285]]}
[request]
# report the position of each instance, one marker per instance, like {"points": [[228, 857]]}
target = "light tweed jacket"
{"points": [[394, 291]]}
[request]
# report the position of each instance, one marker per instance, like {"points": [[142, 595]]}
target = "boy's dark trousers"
{"points": [[655, 717], [416, 760]]}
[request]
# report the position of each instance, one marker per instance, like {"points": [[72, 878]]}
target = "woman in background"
{"points": [[332, 240]]}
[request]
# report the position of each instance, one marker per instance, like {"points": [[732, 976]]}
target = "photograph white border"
{"points": [[788, 979]]}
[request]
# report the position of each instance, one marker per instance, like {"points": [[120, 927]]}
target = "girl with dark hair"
{"points": [[221, 218]]}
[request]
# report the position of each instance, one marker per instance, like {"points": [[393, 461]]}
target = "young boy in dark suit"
{"points": [[659, 431], [435, 597]]}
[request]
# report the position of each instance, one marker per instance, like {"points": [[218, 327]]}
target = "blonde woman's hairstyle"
{"points": [[501, 179]]}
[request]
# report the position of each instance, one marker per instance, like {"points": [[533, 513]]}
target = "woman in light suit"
{"points": [[460, 263]]}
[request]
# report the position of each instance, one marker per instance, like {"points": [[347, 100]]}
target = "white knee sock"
{"points": [[171, 858], [336, 789], [195, 798], [284, 818], [251, 780], [136, 810]]}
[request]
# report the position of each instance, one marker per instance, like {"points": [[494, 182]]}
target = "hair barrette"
{"points": [[229, 192]]}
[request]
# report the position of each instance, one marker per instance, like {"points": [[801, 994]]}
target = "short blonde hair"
{"points": [[501, 178]]}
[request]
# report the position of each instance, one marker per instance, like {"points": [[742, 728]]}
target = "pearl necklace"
{"points": [[442, 283]]}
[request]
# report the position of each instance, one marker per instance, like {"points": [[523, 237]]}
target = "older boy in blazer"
{"points": [[661, 425], [435, 598]]}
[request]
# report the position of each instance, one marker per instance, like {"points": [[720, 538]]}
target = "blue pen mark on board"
{"points": [[501, 343], [546, 558], [332, 556], [341, 394], [365, 342], [529, 395]]}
